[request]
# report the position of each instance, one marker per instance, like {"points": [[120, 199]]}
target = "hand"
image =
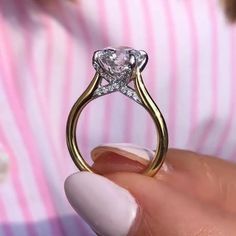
{"points": [[192, 194]]}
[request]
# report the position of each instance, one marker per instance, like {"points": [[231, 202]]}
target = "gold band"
{"points": [[147, 103]]}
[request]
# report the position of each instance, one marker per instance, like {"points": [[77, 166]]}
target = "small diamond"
{"points": [[135, 97], [104, 89], [97, 93], [123, 89], [116, 86], [110, 88], [129, 93]]}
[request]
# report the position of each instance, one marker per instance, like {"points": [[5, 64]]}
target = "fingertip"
{"points": [[108, 208], [120, 157], [130, 151]]}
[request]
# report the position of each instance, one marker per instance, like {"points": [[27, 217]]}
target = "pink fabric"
{"points": [[45, 64]]}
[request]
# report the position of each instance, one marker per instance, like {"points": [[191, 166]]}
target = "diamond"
{"points": [[117, 64], [123, 89], [111, 88], [129, 93]]}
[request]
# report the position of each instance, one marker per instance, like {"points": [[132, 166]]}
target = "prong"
{"points": [[95, 55], [132, 61], [144, 60], [111, 49]]}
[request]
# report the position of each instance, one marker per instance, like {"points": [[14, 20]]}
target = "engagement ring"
{"points": [[118, 67]]}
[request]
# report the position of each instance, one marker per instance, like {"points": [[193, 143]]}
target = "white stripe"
{"points": [[183, 73], [224, 81], [203, 25]]}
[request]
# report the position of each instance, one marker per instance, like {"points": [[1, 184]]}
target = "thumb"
{"points": [[142, 206], [106, 206], [124, 203], [109, 209]]}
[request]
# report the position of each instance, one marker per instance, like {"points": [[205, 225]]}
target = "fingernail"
{"points": [[131, 151], [108, 208]]}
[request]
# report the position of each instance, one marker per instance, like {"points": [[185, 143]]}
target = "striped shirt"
{"points": [[45, 64]]}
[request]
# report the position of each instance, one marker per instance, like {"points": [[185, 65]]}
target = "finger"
{"points": [[149, 207], [120, 158], [212, 178], [166, 211], [105, 206], [209, 178]]}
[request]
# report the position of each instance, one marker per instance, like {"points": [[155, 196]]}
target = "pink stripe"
{"points": [[214, 76], [232, 108], [28, 140], [152, 67], [84, 25], [126, 39], [49, 84], [56, 224], [195, 67], [20, 120], [173, 72], [67, 83], [61, 168], [76, 226], [17, 186], [41, 100], [79, 226], [65, 92], [14, 180], [48, 60]]}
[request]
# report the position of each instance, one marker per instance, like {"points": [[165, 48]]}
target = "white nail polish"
{"points": [[109, 209]]}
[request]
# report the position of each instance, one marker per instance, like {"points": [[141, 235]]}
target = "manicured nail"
{"points": [[131, 151], [109, 209]]}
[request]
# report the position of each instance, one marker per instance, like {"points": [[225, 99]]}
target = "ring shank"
{"points": [[161, 128], [147, 103]]}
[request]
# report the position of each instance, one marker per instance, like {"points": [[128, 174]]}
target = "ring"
{"points": [[118, 66]]}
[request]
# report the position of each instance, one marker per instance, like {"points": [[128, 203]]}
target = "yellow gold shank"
{"points": [[147, 103]]}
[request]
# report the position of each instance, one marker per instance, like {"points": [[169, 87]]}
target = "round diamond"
{"points": [[115, 61], [118, 62]]}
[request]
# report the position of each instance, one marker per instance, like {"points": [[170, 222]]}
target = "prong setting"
{"points": [[143, 61], [118, 66]]}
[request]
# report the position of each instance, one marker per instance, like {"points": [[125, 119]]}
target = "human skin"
{"points": [[192, 195]]}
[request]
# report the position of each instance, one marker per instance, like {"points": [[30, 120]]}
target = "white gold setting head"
{"points": [[119, 64]]}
